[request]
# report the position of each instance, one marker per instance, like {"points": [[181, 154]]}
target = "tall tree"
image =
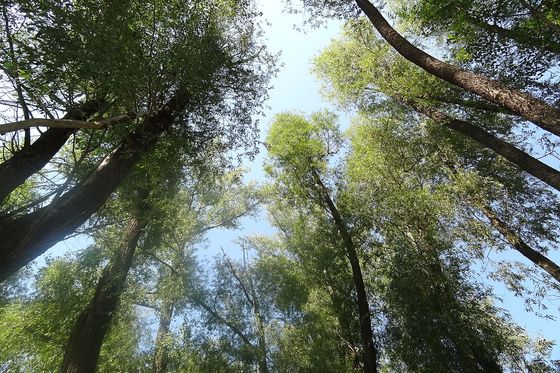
{"points": [[299, 151], [36, 324], [83, 347], [422, 273], [203, 65], [361, 73], [210, 200], [374, 70], [531, 108]]}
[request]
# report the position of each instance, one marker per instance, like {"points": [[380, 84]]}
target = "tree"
{"points": [[145, 232], [374, 69], [521, 103], [299, 151], [363, 74], [209, 201], [36, 324], [86, 338], [429, 299], [204, 64]]}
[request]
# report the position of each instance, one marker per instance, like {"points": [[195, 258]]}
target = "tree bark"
{"points": [[26, 237], [518, 244], [370, 351], [523, 104], [83, 347], [161, 354], [32, 158], [524, 161]]}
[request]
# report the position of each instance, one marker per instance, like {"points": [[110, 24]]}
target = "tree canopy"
{"points": [[381, 244]]}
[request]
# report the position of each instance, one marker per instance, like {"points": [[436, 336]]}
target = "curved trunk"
{"points": [[518, 244], [86, 338], [370, 351], [26, 237], [523, 104], [524, 161]]}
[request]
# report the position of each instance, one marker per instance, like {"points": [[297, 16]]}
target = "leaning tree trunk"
{"points": [[26, 237], [520, 245], [161, 353], [518, 157], [86, 338], [370, 351], [32, 158], [523, 104]]}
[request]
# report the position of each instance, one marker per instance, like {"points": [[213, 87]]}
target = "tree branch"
{"points": [[64, 123], [241, 284]]}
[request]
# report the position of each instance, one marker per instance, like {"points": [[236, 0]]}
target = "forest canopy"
{"points": [[383, 243]]}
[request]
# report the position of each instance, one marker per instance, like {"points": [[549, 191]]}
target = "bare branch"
{"points": [[64, 123], [241, 283]]}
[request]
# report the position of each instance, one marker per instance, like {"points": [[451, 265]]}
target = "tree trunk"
{"points": [[30, 159], [86, 338], [523, 104], [516, 156], [518, 244], [161, 353], [261, 336], [26, 237], [370, 351]]}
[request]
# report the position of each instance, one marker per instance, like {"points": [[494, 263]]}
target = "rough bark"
{"points": [[26, 237], [160, 355], [524, 161], [83, 347], [370, 351], [523, 104], [32, 158], [518, 244]]}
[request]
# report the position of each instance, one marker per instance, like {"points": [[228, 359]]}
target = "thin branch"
{"points": [[228, 220], [241, 284], [146, 305], [64, 123], [176, 272]]}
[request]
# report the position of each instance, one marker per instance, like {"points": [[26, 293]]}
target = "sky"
{"points": [[296, 89], [293, 89]]}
